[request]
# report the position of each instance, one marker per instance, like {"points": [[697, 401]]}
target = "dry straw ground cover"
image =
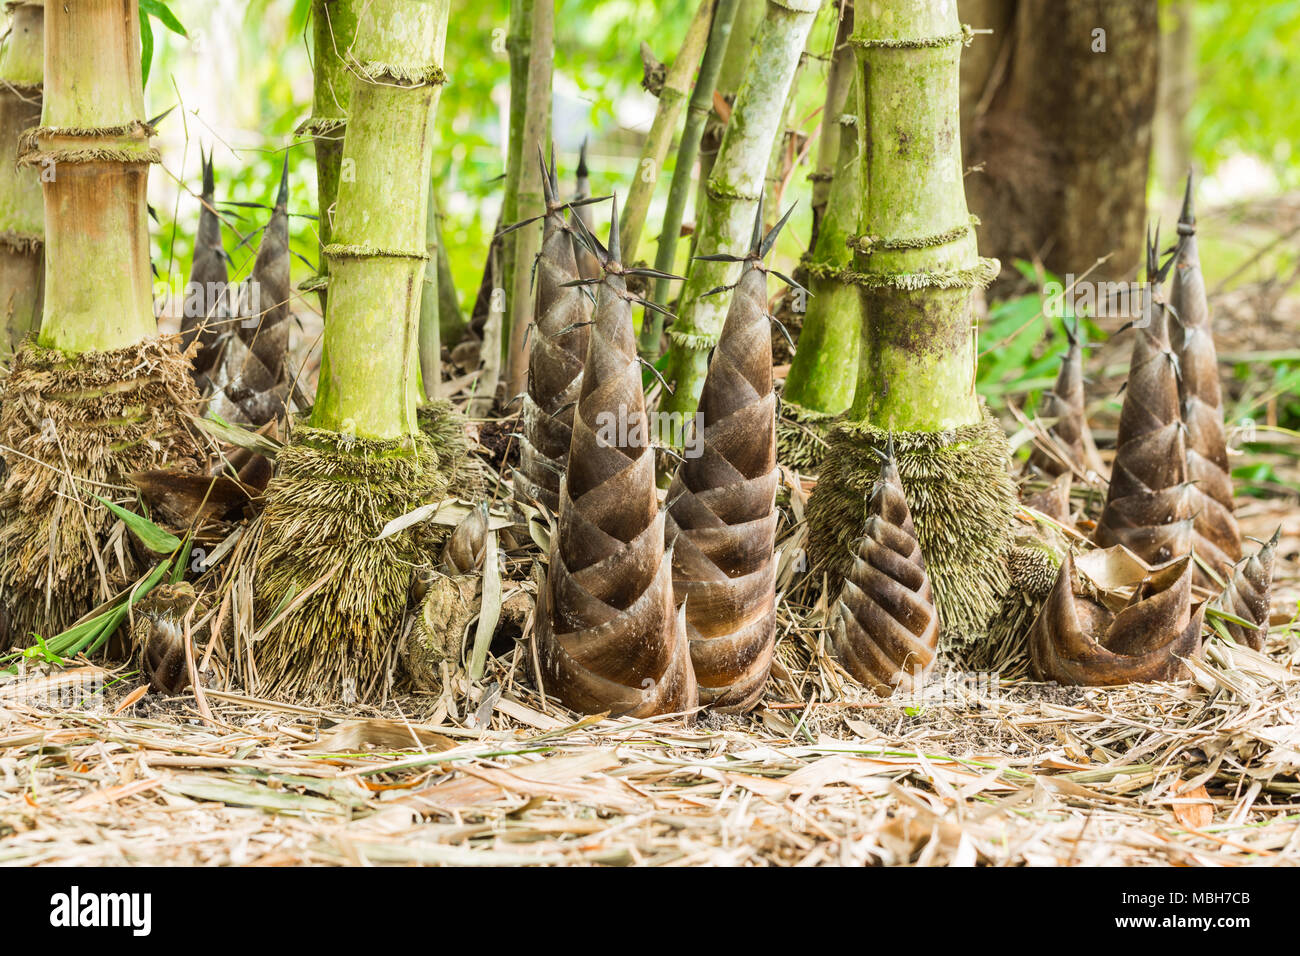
{"points": [[1205, 772]]}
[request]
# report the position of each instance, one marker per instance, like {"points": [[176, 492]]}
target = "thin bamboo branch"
{"points": [[697, 115], [671, 98]]}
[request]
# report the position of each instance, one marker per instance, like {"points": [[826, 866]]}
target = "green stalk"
{"points": [[824, 370], [22, 225], [529, 199], [451, 319], [334, 28], [431, 304], [916, 267], [660, 137], [733, 194], [839, 81], [519, 45], [369, 370], [697, 114], [919, 261], [93, 154], [749, 14]]}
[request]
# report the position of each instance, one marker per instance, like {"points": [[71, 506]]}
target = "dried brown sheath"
{"points": [[608, 636], [886, 630], [1148, 505], [722, 507], [1248, 593], [556, 353], [1216, 535], [1079, 640]]}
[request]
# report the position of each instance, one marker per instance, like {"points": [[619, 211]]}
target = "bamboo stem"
{"points": [[660, 138], [334, 29], [519, 45], [839, 81], [920, 261], [431, 304], [749, 14], [697, 114], [22, 224], [733, 193], [529, 199], [92, 152], [823, 372], [368, 366]]}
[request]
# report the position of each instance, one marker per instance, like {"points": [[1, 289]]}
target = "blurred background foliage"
{"points": [[242, 74]]}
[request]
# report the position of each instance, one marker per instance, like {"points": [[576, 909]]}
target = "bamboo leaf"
{"points": [[160, 11], [489, 611], [151, 536]]}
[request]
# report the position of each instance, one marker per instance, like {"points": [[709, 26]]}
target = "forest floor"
{"points": [[980, 769]]}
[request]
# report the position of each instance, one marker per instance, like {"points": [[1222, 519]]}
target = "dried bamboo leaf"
{"points": [[722, 517], [1217, 537], [886, 630], [1077, 639], [608, 638]]}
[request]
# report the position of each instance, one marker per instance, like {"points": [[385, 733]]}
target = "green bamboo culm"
{"points": [[368, 383], [334, 27], [22, 216], [364, 458], [916, 266], [824, 370], [529, 201], [733, 194], [688, 151], [98, 395], [671, 99], [519, 44]]}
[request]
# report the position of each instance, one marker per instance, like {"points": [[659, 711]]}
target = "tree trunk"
{"points": [[671, 97], [917, 265], [22, 225], [529, 201], [733, 194], [697, 114], [334, 29], [1176, 85], [1063, 130]]}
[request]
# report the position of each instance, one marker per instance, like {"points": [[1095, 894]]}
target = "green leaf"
{"points": [[151, 536], [146, 50], [160, 10]]}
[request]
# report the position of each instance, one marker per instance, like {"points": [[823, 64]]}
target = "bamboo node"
{"points": [[869, 244], [975, 277], [343, 250], [426, 74], [964, 36]]}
